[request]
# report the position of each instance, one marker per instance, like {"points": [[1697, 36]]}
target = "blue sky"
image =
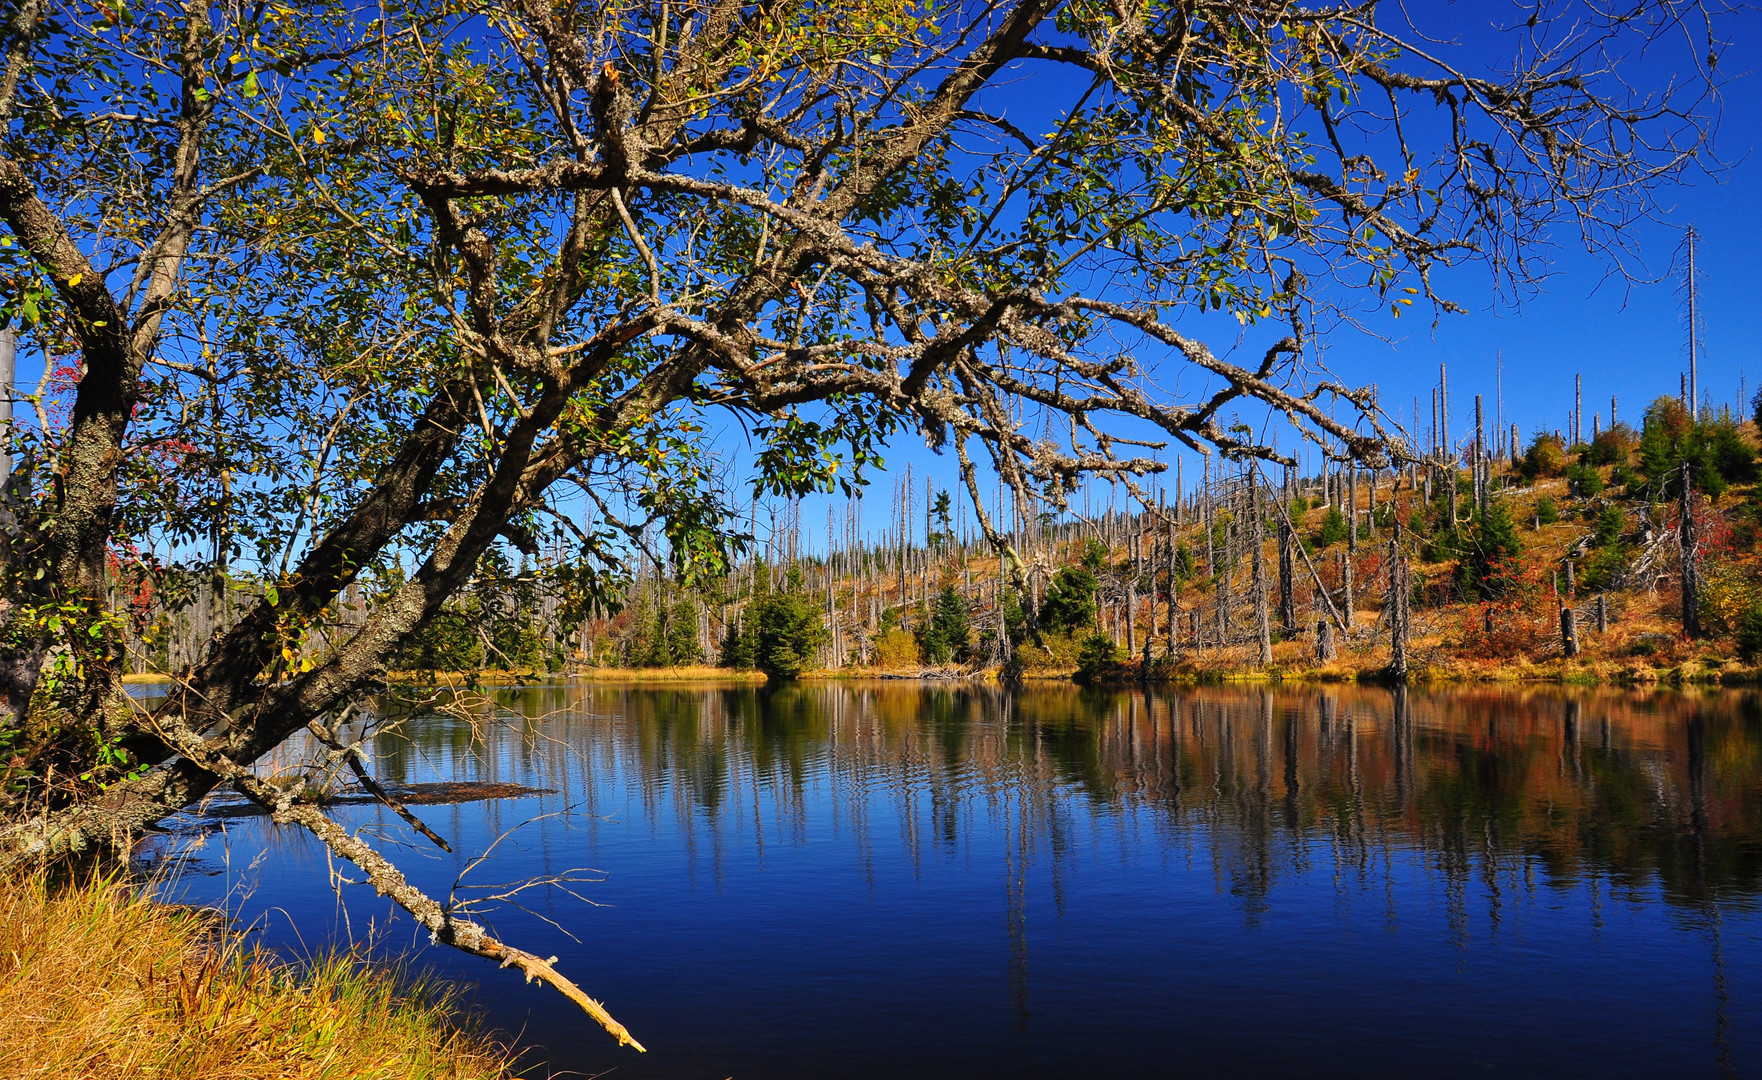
{"points": [[1627, 340]]}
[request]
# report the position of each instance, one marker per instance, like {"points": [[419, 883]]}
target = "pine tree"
{"points": [[1070, 600], [946, 632], [1489, 557], [786, 629]]}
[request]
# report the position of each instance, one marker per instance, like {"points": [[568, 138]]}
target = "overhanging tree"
{"points": [[326, 291]]}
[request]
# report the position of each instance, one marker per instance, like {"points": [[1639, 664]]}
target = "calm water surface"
{"points": [[890, 880]]}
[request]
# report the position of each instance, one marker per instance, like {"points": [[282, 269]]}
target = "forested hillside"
{"points": [[1248, 567]]}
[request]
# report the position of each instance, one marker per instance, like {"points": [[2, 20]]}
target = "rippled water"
{"points": [[867, 880]]}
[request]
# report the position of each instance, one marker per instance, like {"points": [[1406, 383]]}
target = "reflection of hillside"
{"points": [[1497, 783]]}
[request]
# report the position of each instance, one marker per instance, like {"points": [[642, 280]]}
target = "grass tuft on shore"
{"points": [[98, 981]]}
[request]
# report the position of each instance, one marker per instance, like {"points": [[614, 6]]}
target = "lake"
{"points": [[899, 879]]}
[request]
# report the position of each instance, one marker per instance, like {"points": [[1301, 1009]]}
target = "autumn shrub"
{"points": [[1515, 622], [1612, 446], [897, 649], [1546, 457], [1417, 525], [1729, 596], [1053, 652], [1501, 630]]}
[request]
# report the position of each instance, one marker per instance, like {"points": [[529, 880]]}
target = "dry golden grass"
{"points": [[683, 673], [97, 982]]}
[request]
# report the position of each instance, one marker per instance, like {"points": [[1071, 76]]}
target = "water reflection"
{"points": [[1636, 788], [1510, 848]]}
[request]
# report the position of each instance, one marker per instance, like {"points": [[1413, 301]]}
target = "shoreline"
{"points": [[1729, 675]]}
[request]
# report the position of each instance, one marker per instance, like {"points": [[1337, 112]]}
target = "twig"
{"points": [[387, 880], [353, 754]]}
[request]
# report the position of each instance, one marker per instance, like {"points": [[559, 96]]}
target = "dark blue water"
{"points": [[891, 880]]}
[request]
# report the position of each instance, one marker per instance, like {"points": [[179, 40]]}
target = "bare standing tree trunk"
{"points": [[1397, 601], [1480, 460], [1131, 621], [1351, 475], [1174, 585], [1691, 558], [1287, 579], [1448, 451], [1262, 622], [1347, 593]]}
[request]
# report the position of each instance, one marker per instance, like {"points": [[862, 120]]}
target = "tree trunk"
{"points": [[1398, 594], [1351, 475], [1287, 580], [1174, 584], [1262, 621], [1691, 558], [1348, 590]]}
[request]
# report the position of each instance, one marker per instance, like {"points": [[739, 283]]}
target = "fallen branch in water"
{"points": [[286, 807]]}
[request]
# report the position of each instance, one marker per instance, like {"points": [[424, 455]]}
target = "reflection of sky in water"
{"points": [[839, 880]]}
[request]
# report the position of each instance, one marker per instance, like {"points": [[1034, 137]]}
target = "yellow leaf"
{"points": [[318, 136], [75, 280]]}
